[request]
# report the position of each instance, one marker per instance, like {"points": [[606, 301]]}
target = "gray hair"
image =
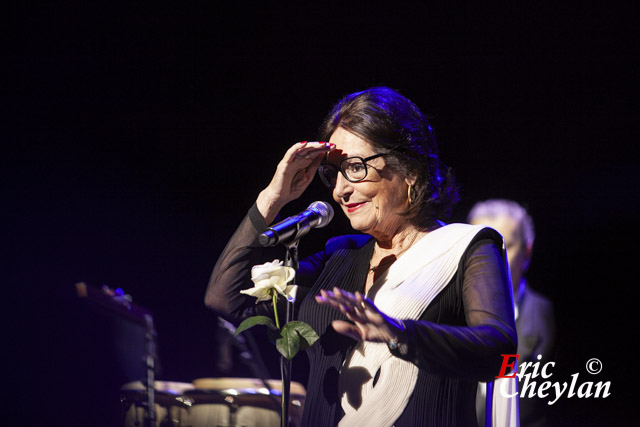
{"points": [[496, 207]]}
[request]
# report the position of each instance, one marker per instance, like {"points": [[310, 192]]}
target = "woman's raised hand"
{"points": [[370, 324], [293, 175]]}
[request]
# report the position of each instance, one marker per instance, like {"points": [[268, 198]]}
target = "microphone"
{"points": [[317, 215]]}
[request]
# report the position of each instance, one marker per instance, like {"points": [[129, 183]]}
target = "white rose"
{"points": [[268, 276]]}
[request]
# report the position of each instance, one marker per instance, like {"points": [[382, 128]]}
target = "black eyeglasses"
{"points": [[354, 169]]}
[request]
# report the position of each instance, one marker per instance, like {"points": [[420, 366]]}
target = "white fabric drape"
{"points": [[404, 292]]}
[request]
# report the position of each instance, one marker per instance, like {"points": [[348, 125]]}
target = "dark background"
{"points": [[138, 135]]}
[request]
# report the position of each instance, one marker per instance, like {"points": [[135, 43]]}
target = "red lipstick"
{"points": [[352, 207]]}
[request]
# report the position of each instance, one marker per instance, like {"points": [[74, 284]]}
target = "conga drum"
{"points": [[170, 405], [241, 402]]}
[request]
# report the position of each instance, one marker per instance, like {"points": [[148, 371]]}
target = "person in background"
{"points": [[535, 321]]}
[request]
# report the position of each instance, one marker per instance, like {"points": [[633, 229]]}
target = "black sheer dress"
{"points": [[457, 342]]}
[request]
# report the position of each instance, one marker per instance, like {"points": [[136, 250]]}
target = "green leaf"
{"points": [[307, 335], [253, 321], [295, 336], [289, 342]]}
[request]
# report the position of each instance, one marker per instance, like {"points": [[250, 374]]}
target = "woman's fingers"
{"points": [[348, 329], [366, 321], [327, 298], [308, 151], [356, 307], [342, 297], [299, 163], [336, 300], [299, 166], [294, 173], [356, 302]]}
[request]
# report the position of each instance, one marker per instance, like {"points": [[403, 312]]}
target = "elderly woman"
{"points": [[412, 312]]}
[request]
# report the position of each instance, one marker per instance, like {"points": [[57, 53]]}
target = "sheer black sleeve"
{"points": [[232, 271], [472, 351]]}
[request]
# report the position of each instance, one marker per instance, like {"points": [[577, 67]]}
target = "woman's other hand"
{"points": [[370, 324], [293, 175]]}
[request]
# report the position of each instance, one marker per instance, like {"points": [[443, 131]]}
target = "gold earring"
{"points": [[411, 194]]}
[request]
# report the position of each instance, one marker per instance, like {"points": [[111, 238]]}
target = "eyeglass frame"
{"points": [[364, 161]]}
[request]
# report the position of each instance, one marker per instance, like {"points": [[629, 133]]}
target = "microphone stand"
{"points": [[291, 260], [290, 240]]}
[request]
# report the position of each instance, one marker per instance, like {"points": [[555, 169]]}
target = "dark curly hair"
{"points": [[394, 124]]}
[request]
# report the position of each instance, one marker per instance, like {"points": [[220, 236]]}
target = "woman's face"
{"points": [[372, 205]]}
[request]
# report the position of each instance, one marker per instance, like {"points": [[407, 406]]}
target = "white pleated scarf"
{"points": [[403, 292]]}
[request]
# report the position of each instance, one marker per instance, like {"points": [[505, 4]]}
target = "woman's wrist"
{"points": [[398, 336], [268, 205]]}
